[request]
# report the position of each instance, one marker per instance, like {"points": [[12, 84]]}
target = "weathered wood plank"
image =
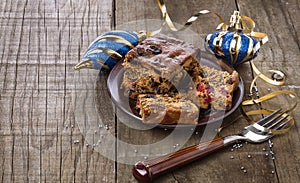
{"points": [[282, 52], [41, 41]]}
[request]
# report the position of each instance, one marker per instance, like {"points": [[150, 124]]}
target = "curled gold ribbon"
{"points": [[268, 97], [167, 20], [265, 78]]}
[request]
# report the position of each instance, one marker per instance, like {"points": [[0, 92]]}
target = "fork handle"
{"points": [[146, 171]]}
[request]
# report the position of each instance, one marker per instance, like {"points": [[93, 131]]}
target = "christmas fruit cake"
{"points": [[160, 68], [167, 110]]}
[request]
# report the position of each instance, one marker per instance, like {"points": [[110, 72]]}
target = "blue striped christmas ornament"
{"points": [[235, 43], [109, 48], [233, 47]]}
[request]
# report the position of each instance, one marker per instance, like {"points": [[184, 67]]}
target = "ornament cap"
{"points": [[235, 21]]}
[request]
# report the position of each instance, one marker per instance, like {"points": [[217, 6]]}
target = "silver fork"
{"points": [[146, 171]]}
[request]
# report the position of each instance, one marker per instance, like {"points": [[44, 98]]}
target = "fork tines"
{"points": [[275, 120]]}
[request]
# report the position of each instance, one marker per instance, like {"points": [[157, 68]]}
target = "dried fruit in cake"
{"points": [[214, 88]]}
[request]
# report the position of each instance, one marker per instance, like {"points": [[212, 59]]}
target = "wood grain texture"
{"points": [[41, 134], [41, 41]]}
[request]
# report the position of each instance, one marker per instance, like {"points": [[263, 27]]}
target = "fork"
{"points": [[146, 171]]}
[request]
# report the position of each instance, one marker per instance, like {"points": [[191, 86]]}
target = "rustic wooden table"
{"points": [[45, 138]]}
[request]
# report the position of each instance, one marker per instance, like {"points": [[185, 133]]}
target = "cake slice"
{"points": [[167, 110], [159, 65]]}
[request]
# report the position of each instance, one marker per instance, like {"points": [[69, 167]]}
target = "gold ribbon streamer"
{"points": [[265, 78], [268, 97], [167, 20]]}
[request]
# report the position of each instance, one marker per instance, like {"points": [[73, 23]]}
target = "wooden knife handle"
{"points": [[146, 171]]}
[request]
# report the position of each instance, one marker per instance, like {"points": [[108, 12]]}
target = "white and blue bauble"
{"points": [[233, 47], [108, 49]]}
